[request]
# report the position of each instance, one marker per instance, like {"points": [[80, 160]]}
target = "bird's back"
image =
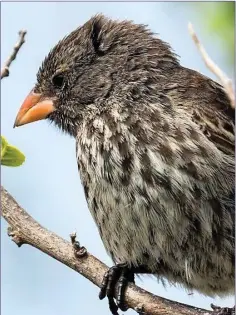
{"points": [[208, 104]]}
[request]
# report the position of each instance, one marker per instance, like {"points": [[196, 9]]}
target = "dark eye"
{"points": [[58, 81]]}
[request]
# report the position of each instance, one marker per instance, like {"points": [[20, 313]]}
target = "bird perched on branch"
{"points": [[155, 151]]}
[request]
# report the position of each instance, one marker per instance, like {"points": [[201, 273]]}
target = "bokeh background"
{"points": [[48, 185]]}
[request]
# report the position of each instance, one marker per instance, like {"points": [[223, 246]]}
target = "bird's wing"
{"points": [[209, 107]]}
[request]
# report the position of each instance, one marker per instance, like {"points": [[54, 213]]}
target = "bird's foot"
{"points": [[119, 275], [217, 310], [80, 251]]}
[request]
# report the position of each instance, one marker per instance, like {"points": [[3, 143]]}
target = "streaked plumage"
{"points": [[155, 150]]}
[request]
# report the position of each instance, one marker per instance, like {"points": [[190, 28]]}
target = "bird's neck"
{"points": [[105, 143], [103, 132]]}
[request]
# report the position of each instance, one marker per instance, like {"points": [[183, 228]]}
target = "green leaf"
{"points": [[10, 155]]}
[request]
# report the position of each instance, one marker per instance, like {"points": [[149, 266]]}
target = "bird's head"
{"points": [[98, 62]]}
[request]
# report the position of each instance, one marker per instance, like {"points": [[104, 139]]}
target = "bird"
{"points": [[155, 154]]}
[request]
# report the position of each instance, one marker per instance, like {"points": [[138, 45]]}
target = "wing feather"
{"points": [[208, 105]]}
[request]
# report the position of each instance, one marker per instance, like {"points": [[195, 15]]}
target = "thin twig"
{"points": [[5, 70], [25, 230], [212, 66]]}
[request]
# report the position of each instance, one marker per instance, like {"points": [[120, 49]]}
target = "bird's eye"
{"points": [[58, 81]]}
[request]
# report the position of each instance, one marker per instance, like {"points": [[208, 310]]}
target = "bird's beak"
{"points": [[34, 108]]}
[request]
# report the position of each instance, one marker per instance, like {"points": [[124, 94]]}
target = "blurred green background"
{"points": [[218, 19]]}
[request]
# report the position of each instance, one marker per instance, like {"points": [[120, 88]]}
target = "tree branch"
{"points": [[5, 70], [224, 80], [25, 230]]}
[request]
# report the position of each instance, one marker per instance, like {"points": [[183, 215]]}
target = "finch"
{"points": [[155, 152]]}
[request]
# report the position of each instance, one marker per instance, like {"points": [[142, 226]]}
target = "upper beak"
{"points": [[34, 108]]}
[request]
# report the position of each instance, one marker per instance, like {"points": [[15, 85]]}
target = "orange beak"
{"points": [[34, 108]]}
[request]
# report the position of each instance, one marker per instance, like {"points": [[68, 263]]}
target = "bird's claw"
{"points": [[217, 310], [119, 275]]}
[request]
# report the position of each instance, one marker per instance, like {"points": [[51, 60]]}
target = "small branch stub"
{"points": [[80, 251], [15, 236]]}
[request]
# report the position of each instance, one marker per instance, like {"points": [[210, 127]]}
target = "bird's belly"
{"points": [[140, 233]]}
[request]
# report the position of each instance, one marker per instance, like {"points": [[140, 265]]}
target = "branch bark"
{"points": [[25, 230], [212, 66], [5, 70]]}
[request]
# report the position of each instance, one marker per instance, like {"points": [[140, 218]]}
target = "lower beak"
{"points": [[34, 108]]}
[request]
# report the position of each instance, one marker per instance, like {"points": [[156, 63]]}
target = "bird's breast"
{"points": [[146, 208]]}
